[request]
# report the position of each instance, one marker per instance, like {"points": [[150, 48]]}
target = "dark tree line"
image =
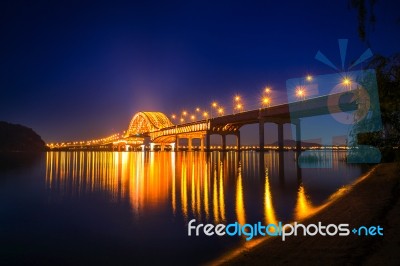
{"points": [[388, 81]]}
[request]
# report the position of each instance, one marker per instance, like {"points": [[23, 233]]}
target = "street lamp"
{"points": [[192, 117], [266, 102], [220, 111], [239, 107], [236, 103], [213, 105], [309, 78], [347, 83], [300, 93], [205, 115]]}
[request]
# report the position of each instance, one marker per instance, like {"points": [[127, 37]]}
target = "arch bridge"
{"points": [[161, 131]]}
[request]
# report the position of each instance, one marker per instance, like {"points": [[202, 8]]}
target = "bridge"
{"points": [[158, 128]]}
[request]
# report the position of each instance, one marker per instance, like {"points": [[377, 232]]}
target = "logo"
{"points": [[340, 106], [282, 230]]}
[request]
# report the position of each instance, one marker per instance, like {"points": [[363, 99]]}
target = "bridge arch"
{"points": [[146, 122]]}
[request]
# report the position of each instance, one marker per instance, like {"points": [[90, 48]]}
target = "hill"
{"points": [[292, 143], [19, 138]]}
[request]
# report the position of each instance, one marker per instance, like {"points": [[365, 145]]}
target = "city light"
{"points": [[192, 117], [197, 109], [309, 78], [173, 116], [221, 111], [267, 90], [237, 98], [184, 113], [205, 114]]}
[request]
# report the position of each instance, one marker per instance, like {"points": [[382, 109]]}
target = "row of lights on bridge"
{"points": [[238, 105], [216, 110]]}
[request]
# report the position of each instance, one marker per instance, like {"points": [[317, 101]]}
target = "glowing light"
{"points": [[197, 109], [240, 209], [205, 114], [300, 92], [184, 113], [266, 101], [214, 104], [173, 116], [220, 110], [267, 90], [309, 78], [346, 81], [192, 117], [237, 98], [182, 120]]}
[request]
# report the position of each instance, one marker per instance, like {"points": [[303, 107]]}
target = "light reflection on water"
{"points": [[143, 201]]}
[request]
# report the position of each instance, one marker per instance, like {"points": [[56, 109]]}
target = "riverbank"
{"points": [[374, 199]]}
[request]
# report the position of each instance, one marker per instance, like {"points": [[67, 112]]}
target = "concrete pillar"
{"points": [[238, 140], [298, 136], [208, 142], [202, 143], [162, 147], [173, 148], [152, 146], [176, 143], [280, 136], [223, 142], [261, 134], [142, 147], [189, 144]]}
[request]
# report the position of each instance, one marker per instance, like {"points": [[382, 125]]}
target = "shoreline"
{"points": [[373, 199]]}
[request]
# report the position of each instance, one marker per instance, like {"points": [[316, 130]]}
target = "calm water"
{"points": [[133, 208]]}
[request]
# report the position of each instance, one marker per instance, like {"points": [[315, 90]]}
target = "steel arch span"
{"points": [[144, 123]]}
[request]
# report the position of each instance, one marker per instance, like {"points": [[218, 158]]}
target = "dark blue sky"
{"points": [[75, 70]]}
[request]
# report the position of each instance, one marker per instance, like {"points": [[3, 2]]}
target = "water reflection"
{"points": [[240, 209], [270, 216], [304, 207], [167, 189], [194, 185]]}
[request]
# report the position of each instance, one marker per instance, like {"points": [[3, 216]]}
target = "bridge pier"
{"points": [[298, 136], [261, 134], [190, 144], [280, 136], [208, 142], [238, 140], [176, 144], [202, 143], [223, 142]]}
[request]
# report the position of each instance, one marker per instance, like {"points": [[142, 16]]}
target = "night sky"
{"points": [[75, 71]]}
